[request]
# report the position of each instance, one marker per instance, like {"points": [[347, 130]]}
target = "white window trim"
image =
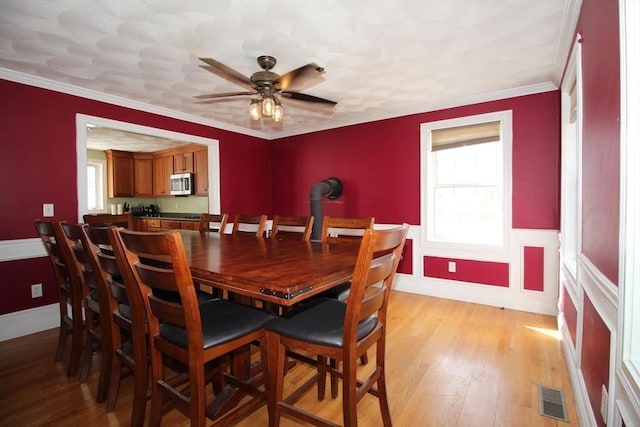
{"points": [[573, 74], [103, 163], [629, 273], [444, 248]]}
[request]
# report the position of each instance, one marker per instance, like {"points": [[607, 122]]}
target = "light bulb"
{"points": [[255, 109], [278, 113], [267, 107]]}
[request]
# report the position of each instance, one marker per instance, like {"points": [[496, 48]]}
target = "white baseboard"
{"points": [[494, 296], [30, 321]]}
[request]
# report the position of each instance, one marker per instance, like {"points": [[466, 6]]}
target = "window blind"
{"points": [[446, 138]]}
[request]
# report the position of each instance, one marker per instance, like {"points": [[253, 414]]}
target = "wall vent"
{"points": [[552, 403]]}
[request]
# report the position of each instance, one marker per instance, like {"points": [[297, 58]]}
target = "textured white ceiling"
{"points": [[382, 58]]}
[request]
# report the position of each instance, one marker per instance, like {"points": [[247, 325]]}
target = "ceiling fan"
{"points": [[267, 85]]}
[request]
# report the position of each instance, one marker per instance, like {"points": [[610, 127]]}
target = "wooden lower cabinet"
{"points": [[149, 224], [190, 225]]}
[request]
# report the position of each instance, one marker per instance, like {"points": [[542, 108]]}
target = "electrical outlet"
{"points": [[36, 290], [47, 209], [603, 403], [452, 266]]}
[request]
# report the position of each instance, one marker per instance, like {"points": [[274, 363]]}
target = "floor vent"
{"points": [[552, 403]]}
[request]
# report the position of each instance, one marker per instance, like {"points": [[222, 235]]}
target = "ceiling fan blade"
{"points": [[224, 95], [225, 72], [299, 76], [297, 96]]}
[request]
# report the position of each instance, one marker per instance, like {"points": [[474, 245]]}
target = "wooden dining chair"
{"points": [[338, 230], [213, 222], [103, 220], [292, 227], [193, 334], [250, 224], [69, 297], [123, 318], [96, 339], [337, 331]]}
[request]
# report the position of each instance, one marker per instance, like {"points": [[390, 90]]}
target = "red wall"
{"points": [[379, 163], [38, 165], [595, 357], [482, 272], [601, 134], [570, 315], [533, 257]]}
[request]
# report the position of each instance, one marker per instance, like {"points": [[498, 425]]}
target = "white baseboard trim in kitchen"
{"points": [[30, 321]]}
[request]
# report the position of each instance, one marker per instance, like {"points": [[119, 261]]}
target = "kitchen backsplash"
{"points": [[191, 204]]}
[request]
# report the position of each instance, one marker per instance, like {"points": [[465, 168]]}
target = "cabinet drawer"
{"points": [[152, 223], [167, 223], [189, 225]]}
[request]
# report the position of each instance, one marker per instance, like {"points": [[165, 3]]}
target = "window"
{"points": [[95, 185], [571, 174], [466, 171]]}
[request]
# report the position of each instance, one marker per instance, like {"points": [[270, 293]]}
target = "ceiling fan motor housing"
{"points": [[264, 78]]}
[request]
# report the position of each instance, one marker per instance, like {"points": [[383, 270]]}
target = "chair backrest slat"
{"points": [[213, 222], [292, 227], [344, 229], [250, 224]]}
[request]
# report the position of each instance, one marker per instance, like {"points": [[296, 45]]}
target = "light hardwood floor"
{"points": [[448, 364]]}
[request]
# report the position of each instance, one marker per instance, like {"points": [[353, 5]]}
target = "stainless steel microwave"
{"points": [[181, 184]]}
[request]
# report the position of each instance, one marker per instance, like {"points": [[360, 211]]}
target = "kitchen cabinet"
{"points": [[147, 224], [120, 173], [169, 224], [190, 225], [201, 172], [162, 170], [183, 162], [143, 174], [157, 224]]}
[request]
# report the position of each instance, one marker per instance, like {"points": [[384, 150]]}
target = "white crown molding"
{"points": [[69, 89], [567, 30], [426, 108]]}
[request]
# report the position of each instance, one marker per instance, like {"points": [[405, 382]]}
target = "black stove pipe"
{"points": [[330, 188]]}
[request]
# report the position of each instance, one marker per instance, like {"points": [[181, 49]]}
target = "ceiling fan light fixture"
{"points": [[278, 112], [255, 109]]}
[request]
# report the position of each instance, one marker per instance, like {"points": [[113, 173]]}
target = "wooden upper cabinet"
{"points": [[183, 162], [119, 173], [143, 174], [201, 171], [162, 170]]}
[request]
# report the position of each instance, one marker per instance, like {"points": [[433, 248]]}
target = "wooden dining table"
{"points": [[281, 272]]}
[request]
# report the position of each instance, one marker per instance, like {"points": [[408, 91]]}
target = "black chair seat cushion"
{"points": [[222, 321], [340, 292], [203, 298], [319, 322]]}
